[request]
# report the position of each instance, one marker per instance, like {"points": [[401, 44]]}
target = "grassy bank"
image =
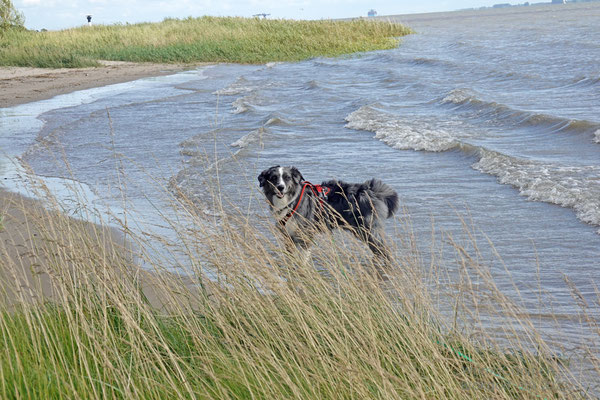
{"points": [[265, 326], [206, 39]]}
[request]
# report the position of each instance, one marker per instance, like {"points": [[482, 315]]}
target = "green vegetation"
{"points": [[193, 40], [266, 326]]}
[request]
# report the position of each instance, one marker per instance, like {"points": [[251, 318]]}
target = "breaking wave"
{"points": [[244, 85], [574, 187], [470, 101], [257, 135], [240, 86], [241, 105], [401, 134], [586, 81], [252, 137]]}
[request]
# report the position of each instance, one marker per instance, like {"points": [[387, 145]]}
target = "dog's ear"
{"points": [[262, 178], [296, 175]]}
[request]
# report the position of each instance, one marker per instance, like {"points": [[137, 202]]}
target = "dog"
{"points": [[303, 209]]}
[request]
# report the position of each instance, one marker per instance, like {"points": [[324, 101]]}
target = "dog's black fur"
{"points": [[357, 207]]}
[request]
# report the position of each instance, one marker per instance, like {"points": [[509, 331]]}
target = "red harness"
{"points": [[319, 191]]}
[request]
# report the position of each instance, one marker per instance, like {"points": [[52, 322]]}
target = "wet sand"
{"points": [[20, 85], [38, 249]]}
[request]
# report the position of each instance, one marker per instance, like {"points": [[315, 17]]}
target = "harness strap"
{"points": [[317, 190]]}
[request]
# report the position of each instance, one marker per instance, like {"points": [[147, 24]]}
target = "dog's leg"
{"points": [[374, 239], [298, 260], [298, 247], [298, 251]]}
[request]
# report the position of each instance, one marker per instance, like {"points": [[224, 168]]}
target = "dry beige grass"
{"points": [[250, 321]]}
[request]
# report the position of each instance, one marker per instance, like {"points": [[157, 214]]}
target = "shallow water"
{"points": [[492, 117]]}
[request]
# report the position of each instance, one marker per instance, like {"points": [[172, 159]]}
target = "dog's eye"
{"points": [[286, 177]]}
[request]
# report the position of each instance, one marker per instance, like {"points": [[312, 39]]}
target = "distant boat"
{"points": [[372, 13]]}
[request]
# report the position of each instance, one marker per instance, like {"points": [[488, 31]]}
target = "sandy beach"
{"points": [[20, 85], [25, 248]]}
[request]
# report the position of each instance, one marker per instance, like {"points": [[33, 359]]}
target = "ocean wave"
{"points": [[272, 64], [586, 81], [576, 187], [241, 105], [252, 137], [432, 62], [311, 85], [469, 100], [243, 85], [199, 138], [240, 86], [277, 121], [401, 134], [326, 63], [568, 186]]}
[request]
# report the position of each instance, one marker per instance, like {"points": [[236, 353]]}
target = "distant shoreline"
{"points": [[485, 11]]}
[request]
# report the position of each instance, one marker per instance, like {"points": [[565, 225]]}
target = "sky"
{"points": [[61, 14]]}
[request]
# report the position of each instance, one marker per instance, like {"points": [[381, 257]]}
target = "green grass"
{"points": [[230, 354], [194, 40], [267, 326]]}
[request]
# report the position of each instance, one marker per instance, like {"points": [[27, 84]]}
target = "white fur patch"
{"points": [[291, 227], [281, 206], [281, 181]]}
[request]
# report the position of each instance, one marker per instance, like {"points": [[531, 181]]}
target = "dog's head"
{"points": [[280, 183]]}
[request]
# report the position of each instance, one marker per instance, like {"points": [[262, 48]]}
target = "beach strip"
{"points": [[20, 85]]}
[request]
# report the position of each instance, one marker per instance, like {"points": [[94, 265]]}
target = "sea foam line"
{"points": [[576, 187]]}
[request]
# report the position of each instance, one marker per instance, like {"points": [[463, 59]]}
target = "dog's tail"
{"points": [[384, 193]]}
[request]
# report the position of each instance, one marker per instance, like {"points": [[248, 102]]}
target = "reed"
{"points": [[244, 319], [194, 40]]}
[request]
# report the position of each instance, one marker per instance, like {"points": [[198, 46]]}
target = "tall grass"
{"points": [[248, 320], [206, 39]]}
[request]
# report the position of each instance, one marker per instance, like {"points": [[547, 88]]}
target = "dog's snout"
{"points": [[280, 188]]}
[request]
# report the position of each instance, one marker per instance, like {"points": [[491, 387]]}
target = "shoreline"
{"points": [[32, 236], [20, 239], [19, 85]]}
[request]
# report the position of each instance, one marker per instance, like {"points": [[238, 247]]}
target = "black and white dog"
{"points": [[303, 209]]}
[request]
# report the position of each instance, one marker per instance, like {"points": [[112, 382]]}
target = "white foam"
{"points": [[402, 134], [597, 136], [458, 96], [574, 187], [240, 106], [251, 137], [240, 86], [272, 64]]}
